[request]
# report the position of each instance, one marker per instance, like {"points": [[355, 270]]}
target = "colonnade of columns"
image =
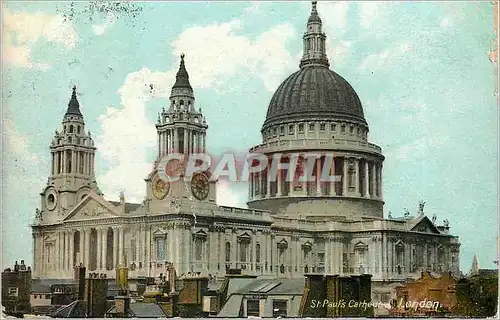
{"points": [[169, 141], [357, 178], [72, 160]]}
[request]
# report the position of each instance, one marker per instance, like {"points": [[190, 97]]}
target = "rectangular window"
{"points": [[279, 308], [311, 127], [257, 253], [160, 249], [290, 128], [352, 129], [282, 130], [343, 128], [321, 258], [134, 249], [322, 127], [198, 248], [301, 127], [13, 291], [253, 308], [333, 126], [274, 132]]}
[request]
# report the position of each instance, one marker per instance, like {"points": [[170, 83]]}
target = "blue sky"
{"points": [[422, 72]]}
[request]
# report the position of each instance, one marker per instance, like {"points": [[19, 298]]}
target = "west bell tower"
{"points": [[72, 174], [181, 128]]}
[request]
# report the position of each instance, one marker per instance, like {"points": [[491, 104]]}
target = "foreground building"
{"points": [[334, 228]]}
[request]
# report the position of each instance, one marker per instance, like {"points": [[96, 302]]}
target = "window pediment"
{"points": [[360, 246]]}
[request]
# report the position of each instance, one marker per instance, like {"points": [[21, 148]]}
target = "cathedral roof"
{"points": [[182, 77], [314, 90], [73, 105]]}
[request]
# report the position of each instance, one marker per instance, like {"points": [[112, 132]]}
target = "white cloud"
{"points": [[127, 133], [21, 30], [226, 195], [385, 57], [334, 16], [419, 147], [446, 22], [225, 53], [369, 11], [17, 145], [99, 29]]}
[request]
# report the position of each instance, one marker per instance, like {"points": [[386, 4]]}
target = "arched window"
{"points": [[228, 252], [78, 129], [70, 140], [71, 129], [182, 102]]}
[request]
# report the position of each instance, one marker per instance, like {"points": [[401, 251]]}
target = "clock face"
{"points": [[160, 188], [51, 200], [200, 186]]}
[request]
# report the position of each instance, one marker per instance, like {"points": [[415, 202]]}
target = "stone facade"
{"points": [[288, 230]]}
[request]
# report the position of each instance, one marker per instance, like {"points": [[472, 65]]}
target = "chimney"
{"points": [[79, 277], [122, 300]]}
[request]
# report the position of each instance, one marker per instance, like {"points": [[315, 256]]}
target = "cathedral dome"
{"points": [[314, 91]]}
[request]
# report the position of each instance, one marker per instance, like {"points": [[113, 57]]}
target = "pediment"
{"points": [[360, 245], [425, 225], [159, 232], [92, 207]]}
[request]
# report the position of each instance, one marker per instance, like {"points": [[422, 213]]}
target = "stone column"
{"points": [[120, 246], [81, 247], [204, 143], [104, 245], [234, 248], [57, 249], [268, 181], [87, 248], [373, 176], [186, 141], [67, 250], [222, 250], [332, 173], [344, 177], [176, 141], [269, 248], [73, 161], [147, 248], [254, 251], [380, 181], [187, 246], [278, 184], [71, 236], [327, 255], [115, 247], [366, 181], [356, 177], [137, 256], [318, 176], [99, 248]]}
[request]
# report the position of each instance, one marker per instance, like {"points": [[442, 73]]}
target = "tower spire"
{"points": [[182, 77], [314, 41], [73, 105]]}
